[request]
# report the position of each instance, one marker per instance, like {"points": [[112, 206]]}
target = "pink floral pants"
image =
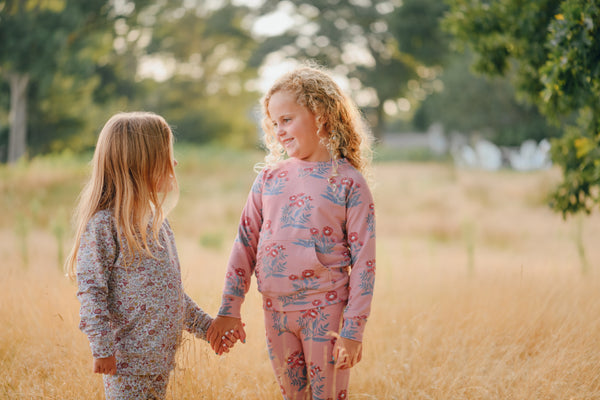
{"points": [[301, 353], [135, 387]]}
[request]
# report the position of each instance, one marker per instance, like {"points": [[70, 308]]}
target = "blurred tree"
{"points": [[472, 103], [205, 96], [386, 48], [49, 53], [554, 46]]}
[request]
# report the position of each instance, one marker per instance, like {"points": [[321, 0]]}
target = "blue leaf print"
{"points": [[274, 184], [312, 325], [321, 240], [279, 325], [355, 246], [371, 221], [245, 233], [225, 308], [350, 329], [320, 171], [367, 279], [273, 261], [315, 381], [353, 197], [296, 370], [236, 285], [297, 212]]}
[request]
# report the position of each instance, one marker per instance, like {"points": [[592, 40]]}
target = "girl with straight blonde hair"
{"points": [[133, 305]]}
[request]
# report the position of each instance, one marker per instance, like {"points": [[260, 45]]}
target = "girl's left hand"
{"points": [[346, 352]]}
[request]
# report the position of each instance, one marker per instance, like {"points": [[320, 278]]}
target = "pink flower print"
{"points": [[307, 273], [300, 203], [282, 174], [269, 303], [309, 170], [330, 296], [311, 313], [316, 303], [347, 181], [342, 395], [293, 198], [268, 224], [273, 253], [327, 231], [353, 237], [269, 176], [240, 272], [314, 231], [293, 277], [372, 207], [247, 221], [314, 369]]}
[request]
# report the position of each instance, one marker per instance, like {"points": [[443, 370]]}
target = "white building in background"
{"points": [[481, 153]]}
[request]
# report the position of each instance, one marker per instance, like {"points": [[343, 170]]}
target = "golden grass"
{"points": [[479, 294]]}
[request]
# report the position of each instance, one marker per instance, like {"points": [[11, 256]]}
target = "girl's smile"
{"points": [[296, 128]]}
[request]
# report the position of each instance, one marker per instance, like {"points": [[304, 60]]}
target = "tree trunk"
{"points": [[17, 140]]}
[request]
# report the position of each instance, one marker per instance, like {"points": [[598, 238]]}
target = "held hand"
{"points": [[346, 352], [224, 332], [106, 365]]}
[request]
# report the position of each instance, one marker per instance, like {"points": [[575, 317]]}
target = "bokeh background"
{"points": [[486, 170]]}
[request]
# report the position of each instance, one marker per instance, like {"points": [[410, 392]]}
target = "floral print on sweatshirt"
{"points": [[134, 312], [309, 237]]}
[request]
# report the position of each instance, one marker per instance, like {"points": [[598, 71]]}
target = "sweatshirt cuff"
{"points": [[102, 346], [354, 328], [231, 306]]}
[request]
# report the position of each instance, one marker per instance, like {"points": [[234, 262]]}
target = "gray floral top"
{"points": [[135, 312]]}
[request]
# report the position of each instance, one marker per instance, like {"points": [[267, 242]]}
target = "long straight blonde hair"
{"points": [[132, 173]]}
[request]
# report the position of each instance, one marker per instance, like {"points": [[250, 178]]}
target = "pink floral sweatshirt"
{"points": [[136, 313], [310, 240]]}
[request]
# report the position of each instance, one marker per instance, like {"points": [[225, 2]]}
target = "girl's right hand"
{"points": [[230, 328], [106, 365]]}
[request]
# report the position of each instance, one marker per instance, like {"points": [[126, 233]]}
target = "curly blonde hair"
{"points": [[345, 132]]}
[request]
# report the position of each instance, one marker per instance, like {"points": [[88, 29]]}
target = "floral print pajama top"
{"points": [[134, 312], [309, 237]]}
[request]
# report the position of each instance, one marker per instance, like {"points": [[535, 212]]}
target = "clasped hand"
{"points": [[224, 332]]}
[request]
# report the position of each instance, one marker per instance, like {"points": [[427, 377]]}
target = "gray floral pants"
{"points": [[135, 387]]}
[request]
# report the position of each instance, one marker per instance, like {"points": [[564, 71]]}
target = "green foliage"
{"points": [[555, 47], [578, 153], [493, 109], [380, 45]]}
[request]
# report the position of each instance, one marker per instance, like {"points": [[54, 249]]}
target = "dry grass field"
{"points": [[482, 291]]}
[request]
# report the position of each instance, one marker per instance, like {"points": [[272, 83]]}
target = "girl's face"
{"points": [[296, 128]]}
